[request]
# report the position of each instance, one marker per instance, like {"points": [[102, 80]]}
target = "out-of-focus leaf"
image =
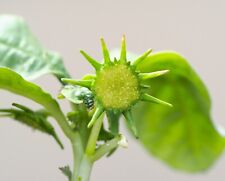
{"points": [[34, 119], [183, 136], [66, 171], [22, 52]]}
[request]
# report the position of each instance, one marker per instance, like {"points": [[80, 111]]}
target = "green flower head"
{"points": [[117, 85]]}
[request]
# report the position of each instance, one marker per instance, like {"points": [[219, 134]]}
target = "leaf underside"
{"points": [[22, 52]]}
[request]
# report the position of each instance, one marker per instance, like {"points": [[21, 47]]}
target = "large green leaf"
{"points": [[13, 82], [183, 136], [22, 52]]}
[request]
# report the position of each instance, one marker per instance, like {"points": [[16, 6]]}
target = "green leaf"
{"points": [[105, 135], [184, 136], [34, 119], [13, 82], [22, 52], [66, 171], [78, 95]]}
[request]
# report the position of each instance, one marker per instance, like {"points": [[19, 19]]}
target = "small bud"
{"points": [[123, 141]]}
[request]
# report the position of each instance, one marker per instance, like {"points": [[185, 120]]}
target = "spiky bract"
{"points": [[117, 85]]}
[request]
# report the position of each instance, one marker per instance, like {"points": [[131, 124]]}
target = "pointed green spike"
{"points": [[5, 115], [19, 106], [98, 112], [123, 56], [92, 61], [89, 77], [145, 86], [145, 76], [60, 96], [142, 57], [105, 52], [82, 83], [131, 122], [115, 60], [55, 136], [149, 98]]}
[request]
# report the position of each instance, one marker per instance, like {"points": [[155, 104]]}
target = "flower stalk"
{"points": [[116, 87]]}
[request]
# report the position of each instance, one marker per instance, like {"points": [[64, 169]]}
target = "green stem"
{"points": [[78, 152], [84, 169], [64, 125], [82, 162], [91, 145], [108, 146]]}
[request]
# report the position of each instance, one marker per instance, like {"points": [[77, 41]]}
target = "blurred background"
{"points": [[196, 29]]}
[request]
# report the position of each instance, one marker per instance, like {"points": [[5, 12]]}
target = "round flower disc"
{"points": [[117, 87]]}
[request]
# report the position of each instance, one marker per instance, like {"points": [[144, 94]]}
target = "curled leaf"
{"points": [[78, 95]]}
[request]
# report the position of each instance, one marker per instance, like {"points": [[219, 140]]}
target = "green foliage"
{"points": [[22, 52], [37, 120], [183, 136], [105, 135], [66, 171], [13, 82]]}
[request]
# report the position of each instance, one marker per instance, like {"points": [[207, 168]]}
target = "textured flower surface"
{"points": [[117, 85]]}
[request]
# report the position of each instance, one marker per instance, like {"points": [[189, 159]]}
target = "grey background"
{"points": [[196, 29]]}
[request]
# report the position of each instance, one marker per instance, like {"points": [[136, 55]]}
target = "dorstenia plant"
{"points": [[165, 104]]}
